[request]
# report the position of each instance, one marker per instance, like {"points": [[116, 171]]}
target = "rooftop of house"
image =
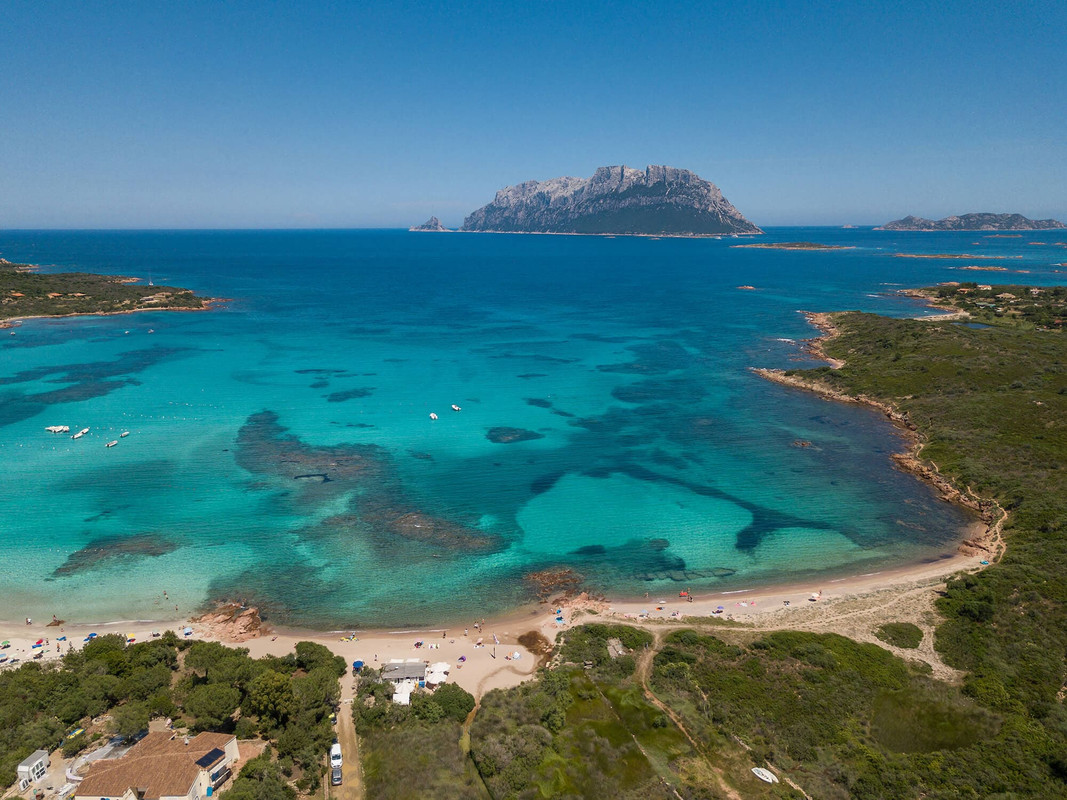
{"points": [[402, 670], [160, 765]]}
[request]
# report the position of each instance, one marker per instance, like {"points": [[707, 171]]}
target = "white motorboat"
{"points": [[112, 443]]}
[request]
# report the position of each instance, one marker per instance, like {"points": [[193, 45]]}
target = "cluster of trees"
{"points": [[206, 685], [286, 700]]}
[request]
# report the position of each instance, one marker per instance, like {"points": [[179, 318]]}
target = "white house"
{"points": [[32, 768], [397, 671]]}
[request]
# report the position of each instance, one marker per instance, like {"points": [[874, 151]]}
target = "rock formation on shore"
{"points": [[973, 222], [433, 224], [658, 201], [232, 622]]}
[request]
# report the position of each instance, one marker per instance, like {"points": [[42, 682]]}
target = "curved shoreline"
{"points": [[988, 510]]}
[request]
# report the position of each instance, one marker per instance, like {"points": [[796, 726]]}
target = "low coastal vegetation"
{"points": [[990, 405], [110, 687], [900, 634], [24, 292]]}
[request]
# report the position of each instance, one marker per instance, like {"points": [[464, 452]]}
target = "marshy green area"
{"points": [[27, 293]]}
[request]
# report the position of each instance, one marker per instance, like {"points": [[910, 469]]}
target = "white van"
{"points": [[335, 755]]}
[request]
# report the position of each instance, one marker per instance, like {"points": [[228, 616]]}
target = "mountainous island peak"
{"points": [[973, 222], [656, 201]]}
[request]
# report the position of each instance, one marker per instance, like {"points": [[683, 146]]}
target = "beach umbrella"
{"points": [[357, 665], [61, 639], [188, 631], [5, 643], [39, 641]]}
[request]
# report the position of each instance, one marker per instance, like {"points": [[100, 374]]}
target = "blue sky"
{"points": [[205, 114]]}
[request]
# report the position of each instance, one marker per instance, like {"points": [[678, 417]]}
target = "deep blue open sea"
{"points": [[281, 449]]}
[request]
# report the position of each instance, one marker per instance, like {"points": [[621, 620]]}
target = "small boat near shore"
{"points": [[124, 434], [112, 443], [432, 415], [456, 408], [58, 429]]}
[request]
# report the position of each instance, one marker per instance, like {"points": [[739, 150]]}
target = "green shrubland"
{"points": [[26, 293]]}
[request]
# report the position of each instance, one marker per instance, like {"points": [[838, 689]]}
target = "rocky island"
{"points": [[794, 246], [433, 225], [25, 292], [656, 201], [973, 222]]}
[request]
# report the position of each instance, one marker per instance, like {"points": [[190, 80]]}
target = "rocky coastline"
{"points": [[991, 514]]}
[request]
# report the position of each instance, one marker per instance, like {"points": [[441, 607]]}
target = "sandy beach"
{"points": [[853, 606], [488, 665]]}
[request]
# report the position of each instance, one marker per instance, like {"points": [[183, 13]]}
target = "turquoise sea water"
{"points": [[281, 449]]}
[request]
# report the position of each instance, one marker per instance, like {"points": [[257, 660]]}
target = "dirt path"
{"points": [[644, 669], [351, 787]]}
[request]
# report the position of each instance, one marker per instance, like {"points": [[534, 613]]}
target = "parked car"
{"points": [[335, 755], [335, 776]]}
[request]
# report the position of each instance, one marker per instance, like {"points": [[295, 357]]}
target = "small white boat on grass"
{"points": [[112, 443], [58, 429], [765, 775]]}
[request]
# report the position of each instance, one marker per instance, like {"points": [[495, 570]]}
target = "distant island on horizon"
{"points": [[616, 200], [973, 222]]}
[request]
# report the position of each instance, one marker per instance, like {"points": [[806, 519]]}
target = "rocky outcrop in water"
{"points": [[433, 224], [505, 435], [973, 222], [656, 201]]}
